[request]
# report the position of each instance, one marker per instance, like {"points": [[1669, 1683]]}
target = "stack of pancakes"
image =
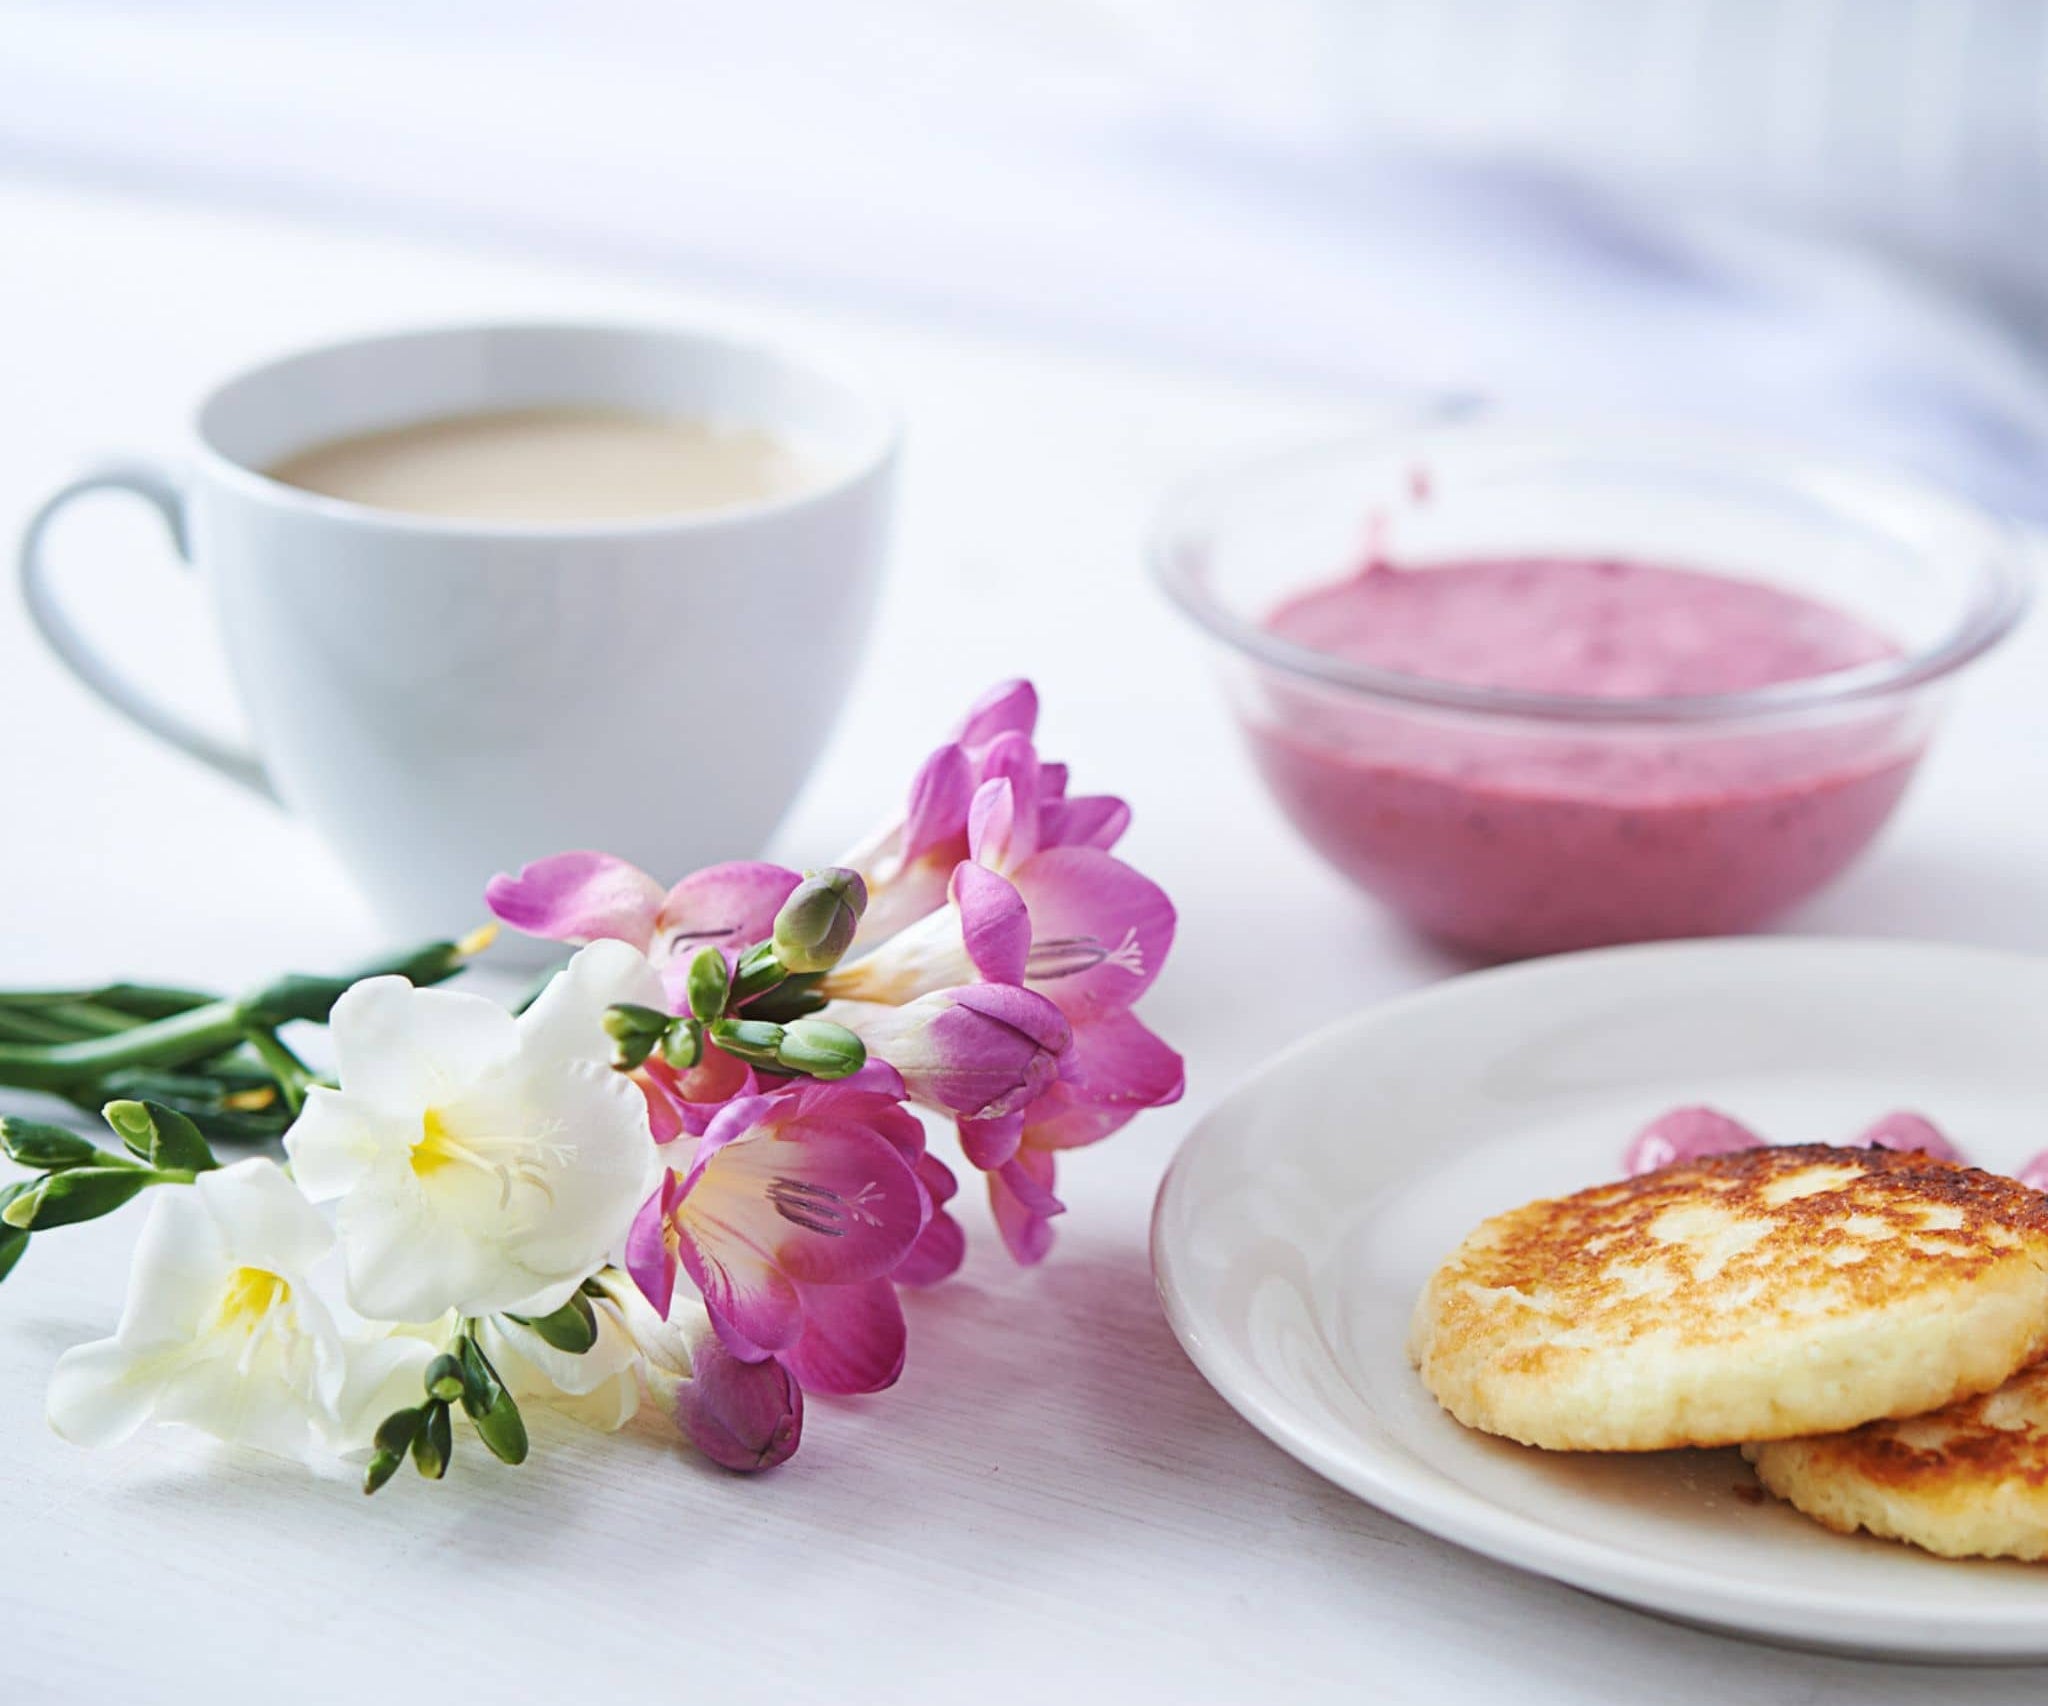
{"points": [[1863, 1322]]}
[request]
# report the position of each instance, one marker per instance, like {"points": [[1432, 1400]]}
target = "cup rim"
{"points": [[885, 437], [1999, 596]]}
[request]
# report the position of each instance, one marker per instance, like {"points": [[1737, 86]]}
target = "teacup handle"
{"points": [[162, 487]]}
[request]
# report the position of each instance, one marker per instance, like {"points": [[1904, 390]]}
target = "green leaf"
{"points": [[47, 1148], [571, 1328], [161, 1136], [83, 1193]]}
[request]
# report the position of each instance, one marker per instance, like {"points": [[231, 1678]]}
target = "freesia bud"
{"points": [[381, 1467], [682, 1044], [571, 1329], [758, 972], [434, 1444], [820, 1049], [817, 923], [81, 1193], [160, 1135], [444, 1378], [489, 1407], [741, 1415], [983, 1050], [634, 1031], [708, 985], [755, 1041], [47, 1148]]}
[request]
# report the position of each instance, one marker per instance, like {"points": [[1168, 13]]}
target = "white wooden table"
{"points": [[1051, 1504]]}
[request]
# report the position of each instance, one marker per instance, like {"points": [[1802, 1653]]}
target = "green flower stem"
{"points": [[293, 1075], [180, 1028], [33, 1025], [176, 1041]]}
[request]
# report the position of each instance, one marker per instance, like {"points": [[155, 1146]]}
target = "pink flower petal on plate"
{"points": [[578, 897], [1099, 930], [854, 1339], [1902, 1129], [742, 1415], [1685, 1134]]}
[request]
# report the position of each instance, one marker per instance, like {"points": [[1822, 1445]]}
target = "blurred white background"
{"points": [[1820, 217]]}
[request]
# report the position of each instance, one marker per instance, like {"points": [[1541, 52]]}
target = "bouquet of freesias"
{"points": [[690, 1172]]}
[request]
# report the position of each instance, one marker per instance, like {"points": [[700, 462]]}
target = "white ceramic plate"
{"points": [[1302, 1216]]}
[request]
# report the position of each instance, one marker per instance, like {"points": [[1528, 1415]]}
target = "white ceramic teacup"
{"points": [[442, 699]]}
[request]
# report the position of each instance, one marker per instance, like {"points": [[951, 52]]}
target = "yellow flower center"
{"points": [[437, 1146], [251, 1294]]}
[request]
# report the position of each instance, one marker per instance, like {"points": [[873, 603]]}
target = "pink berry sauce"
{"points": [[1506, 837]]}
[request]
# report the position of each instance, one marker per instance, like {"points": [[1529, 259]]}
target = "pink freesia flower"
{"points": [[981, 1051], [742, 1415], [1115, 1069], [580, 897], [2035, 1172], [790, 1200], [909, 864], [942, 1245]]}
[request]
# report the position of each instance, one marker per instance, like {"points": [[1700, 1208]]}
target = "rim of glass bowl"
{"points": [[1999, 595]]}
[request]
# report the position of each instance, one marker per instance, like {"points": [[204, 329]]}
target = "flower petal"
{"points": [[741, 1415], [1099, 930], [1093, 820], [730, 907], [939, 797], [566, 1021], [1116, 1069], [578, 897], [995, 925], [1020, 1197], [405, 1049], [854, 1339], [1009, 706], [942, 1245]]}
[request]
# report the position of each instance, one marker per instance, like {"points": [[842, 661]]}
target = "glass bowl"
{"points": [[1509, 823]]}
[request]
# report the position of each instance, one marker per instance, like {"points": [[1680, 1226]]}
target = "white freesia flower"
{"points": [[225, 1330], [637, 1354], [482, 1163]]}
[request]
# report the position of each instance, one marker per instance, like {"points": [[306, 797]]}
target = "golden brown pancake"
{"points": [[1969, 1481], [1764, 1294]]}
